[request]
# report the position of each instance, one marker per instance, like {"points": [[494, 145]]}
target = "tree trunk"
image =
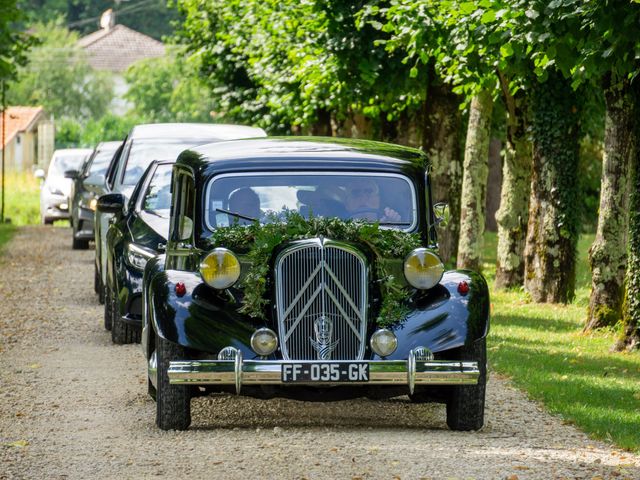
{"points": [[608, 255], [513, 215], [631, 306], [552, 233], [494, 185], [441, 142], [474, 182], [322, 126]]}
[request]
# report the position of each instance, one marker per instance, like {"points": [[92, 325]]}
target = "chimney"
{"points": [[108, 19]]}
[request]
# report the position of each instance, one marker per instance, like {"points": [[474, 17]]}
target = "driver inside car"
{"points": [[363, 202]]}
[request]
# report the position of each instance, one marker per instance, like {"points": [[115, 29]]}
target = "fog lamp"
{"points": [[220, 269], [264, 341], [383, 342], [423, 269], [228, 353]]}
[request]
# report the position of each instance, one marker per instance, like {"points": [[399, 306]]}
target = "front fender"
{"points": [[200, 319], [442, 318]]}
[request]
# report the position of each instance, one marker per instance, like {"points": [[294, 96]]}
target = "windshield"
{"points": [[63, 162], [142, 153], [240, 199], [157, 198], [101, 161]]}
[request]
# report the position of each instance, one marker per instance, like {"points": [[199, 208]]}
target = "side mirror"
{"points": [[442, 213], [94, 181], [111, 203], [72, 174], [39, 173]]}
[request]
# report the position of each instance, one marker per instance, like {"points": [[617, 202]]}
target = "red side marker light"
{"points": [[181, 289], [463, 288]]}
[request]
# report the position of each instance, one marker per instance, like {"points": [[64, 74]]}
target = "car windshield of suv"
{"points": [[157, 198], [142, 153], [62, 163], [243, 198], [101, 161]]}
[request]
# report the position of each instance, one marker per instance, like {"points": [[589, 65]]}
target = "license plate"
{"points": [[325, 372]]}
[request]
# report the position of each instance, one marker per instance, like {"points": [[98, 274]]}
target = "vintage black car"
{"points": [[87, 185], [137, 234], [307, 268]]}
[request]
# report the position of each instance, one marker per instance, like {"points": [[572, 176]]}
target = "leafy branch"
{"points": [[259, 241]]}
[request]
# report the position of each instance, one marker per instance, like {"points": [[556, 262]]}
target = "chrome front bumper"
{"points": [[238, 372]]}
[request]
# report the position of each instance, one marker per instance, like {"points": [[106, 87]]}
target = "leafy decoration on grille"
{"points": [[258, 241]]}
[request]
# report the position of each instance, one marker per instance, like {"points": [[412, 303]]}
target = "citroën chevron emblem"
{"points": [[322, 344]]}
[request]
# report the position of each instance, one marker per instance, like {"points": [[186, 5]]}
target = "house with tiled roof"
{"points": [[28, 137], [115, 48]]}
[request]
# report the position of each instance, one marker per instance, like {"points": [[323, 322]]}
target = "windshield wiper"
{"points": [[236, 214]]}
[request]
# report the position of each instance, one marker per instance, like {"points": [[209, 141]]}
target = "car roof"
{"points": [[63, 152], [219, 132], [109, 145], [298, 151]]}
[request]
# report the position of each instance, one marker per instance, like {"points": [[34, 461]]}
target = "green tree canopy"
{"points": [[58, 77], [168, 89], [13, 41]]}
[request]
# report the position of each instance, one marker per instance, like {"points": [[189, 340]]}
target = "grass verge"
{"points": [[542, 348], [22, 197], [6, 232]]}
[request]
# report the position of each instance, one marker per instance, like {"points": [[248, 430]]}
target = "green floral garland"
{"points": [[259, 241]]}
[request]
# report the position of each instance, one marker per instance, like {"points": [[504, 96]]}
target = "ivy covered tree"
{"points": [[631, 307]]}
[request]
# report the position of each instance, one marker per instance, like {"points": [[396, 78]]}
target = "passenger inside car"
{"points": [[246, 202]]}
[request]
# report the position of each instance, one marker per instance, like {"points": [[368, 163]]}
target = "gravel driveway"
{"points": [[72, 405]]}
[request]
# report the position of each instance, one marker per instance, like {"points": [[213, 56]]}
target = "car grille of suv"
{"points": [[321, 301]]}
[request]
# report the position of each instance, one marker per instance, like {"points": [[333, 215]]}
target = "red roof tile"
{"points": [[19, 119]]}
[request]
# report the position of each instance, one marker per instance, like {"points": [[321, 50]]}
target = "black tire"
{"points": [[173, 402], [121, 332], [96, 279], [47, 221], [100, 291], [108, 311], [465, 406], [79, 244]]}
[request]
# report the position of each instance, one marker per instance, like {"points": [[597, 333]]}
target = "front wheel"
{"points": [[79, 244], [173, 402], [465, 405], [121, 332], [108, 311]]}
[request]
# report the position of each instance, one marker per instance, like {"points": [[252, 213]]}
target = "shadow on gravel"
{"points": [[245, 412]]}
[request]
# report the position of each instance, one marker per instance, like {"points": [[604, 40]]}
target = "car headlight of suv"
{"points": [[220, 268], [423, 269], [138, 256]]}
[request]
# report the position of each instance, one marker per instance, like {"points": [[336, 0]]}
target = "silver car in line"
{"points": [[55, 190]]}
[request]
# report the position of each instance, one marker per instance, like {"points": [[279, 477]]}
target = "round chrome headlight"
{"points": [[423, 269], [264, 341], [383, 342], [220, 269]]}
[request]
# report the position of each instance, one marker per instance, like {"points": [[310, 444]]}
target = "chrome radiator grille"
{"points": [[321, 301]]}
